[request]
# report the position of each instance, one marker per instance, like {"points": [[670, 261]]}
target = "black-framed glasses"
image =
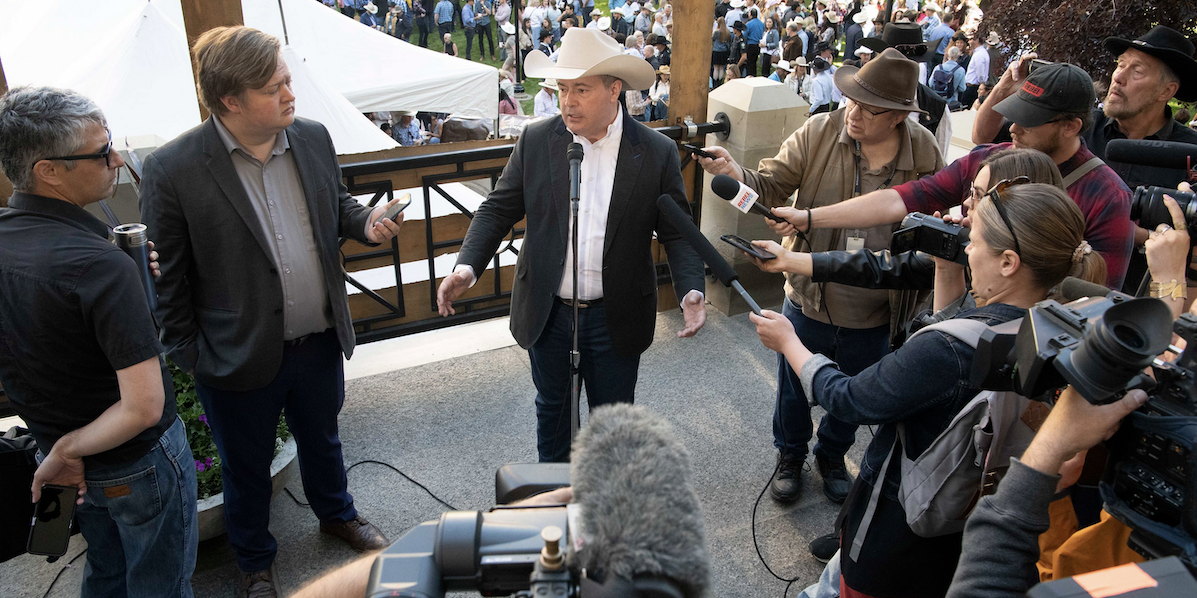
{"points": [[995, 194], [870, 113], [105, 154]]}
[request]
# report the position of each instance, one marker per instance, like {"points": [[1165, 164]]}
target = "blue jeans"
{"points": [[139, 521], [853, 350], [309, 389], [608, 376]]}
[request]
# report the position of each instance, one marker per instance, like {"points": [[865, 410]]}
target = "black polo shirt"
{"points": [[1105, 129], [72, 313]]}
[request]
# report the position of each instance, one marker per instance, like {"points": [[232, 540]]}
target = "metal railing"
{"points": [[373, 327]]}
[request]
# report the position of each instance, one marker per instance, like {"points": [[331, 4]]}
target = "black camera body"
{"points": [[1147, 207], [1100, 346], [930, 235]]}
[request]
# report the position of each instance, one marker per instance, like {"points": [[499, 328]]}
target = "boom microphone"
{"points": [[742, 196], [640, 517], [1147, 152], [1075, 288], [719, 266]]}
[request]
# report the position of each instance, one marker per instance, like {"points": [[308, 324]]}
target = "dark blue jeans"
{"points": [[309, 388], [607, 375], [853, 350], [140, 523]]}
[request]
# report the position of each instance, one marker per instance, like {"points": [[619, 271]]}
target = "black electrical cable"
{"points": [[63, 570], [388, 466]]}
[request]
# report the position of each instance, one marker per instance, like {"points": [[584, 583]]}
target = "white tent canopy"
{"points": [[373, 70], [352, 133]]}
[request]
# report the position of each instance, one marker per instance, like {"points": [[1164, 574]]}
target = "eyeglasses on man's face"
{"points": [[868, 112], [105, 154]]}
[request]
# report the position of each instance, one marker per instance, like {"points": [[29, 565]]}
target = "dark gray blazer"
{"points": [[535, 184], [220, 298]]}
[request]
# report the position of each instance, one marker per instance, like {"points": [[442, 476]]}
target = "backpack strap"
{"points": [[967, 331], [1082, 170]]}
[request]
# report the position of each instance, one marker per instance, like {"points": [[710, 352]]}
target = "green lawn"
{"points": [[531, 86]]}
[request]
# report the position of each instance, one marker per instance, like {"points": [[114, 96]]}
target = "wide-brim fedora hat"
{"points": [[587, 53], [889, 81], [1170, 46], [907, 35]]}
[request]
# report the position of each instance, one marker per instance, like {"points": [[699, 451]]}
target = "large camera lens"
{"points": [[1117, 346], [1147, 207]]}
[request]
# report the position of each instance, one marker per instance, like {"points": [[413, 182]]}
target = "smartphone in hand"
{"points": [[697, 150], [399, 207], [50, 532], [746, 247]]}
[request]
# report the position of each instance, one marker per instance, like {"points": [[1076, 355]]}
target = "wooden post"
{"points": [[690, 69], [202, 15], [5, 185]]}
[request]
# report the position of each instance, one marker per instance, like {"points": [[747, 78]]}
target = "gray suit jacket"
{"points": [[220, 298], [535, 184]]}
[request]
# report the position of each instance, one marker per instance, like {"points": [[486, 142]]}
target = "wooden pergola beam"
{"points": [[202, 15]]}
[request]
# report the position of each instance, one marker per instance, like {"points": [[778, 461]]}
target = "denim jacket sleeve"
{"points": [[925, 372]]}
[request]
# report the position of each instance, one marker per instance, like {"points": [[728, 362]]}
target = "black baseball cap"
{"points": [[1051, 90]]}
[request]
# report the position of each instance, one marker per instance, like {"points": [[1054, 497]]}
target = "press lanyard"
{"points": [[856, 157]]}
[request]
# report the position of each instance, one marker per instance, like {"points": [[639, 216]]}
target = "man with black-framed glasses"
{"points": [[80, 357], [868, 143], [1050, 111]]}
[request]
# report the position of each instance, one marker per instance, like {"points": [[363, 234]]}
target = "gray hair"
{"points": [[953, 54], [37, 122]]}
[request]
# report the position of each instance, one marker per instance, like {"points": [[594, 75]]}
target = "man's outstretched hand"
{"points": [[451, 288], [694, 309]]}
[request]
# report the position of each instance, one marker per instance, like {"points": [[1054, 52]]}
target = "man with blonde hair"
{"points": [[247, 209]]}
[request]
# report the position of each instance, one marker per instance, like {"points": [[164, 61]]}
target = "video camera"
{"points": [[920, 232], [1101, 345]]}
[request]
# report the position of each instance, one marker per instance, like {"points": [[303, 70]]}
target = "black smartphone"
{"points": [[747, 247], [696, 149], [399, 207], [50, 532]]}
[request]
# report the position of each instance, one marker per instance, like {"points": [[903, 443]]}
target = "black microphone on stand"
{"points": [[719, 266], [574, 153]]}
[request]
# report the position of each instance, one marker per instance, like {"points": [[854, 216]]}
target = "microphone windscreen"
{"points": [[632, 478], [1074, 288], [575, 151], [710, 256], [1147, 152]]}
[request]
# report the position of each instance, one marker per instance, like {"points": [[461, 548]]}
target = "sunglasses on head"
{"points": [[995, 194]]}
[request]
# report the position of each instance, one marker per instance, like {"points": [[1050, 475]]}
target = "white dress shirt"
{"points": [[598, 179], [978, 67], [546, 104]]}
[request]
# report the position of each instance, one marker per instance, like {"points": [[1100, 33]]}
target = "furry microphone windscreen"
{"points": [[640, 514]]}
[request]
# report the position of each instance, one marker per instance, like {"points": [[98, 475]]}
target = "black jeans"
{"points": [[424, 23], [484, 30], [753, 52], [469, 32]]}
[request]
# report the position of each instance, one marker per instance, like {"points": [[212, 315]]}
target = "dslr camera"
{"points": [[930, 235], [1147, 207], [1101, 346]]}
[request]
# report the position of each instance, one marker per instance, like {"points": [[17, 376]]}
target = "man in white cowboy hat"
{"points": [[781, 69], [625, 169], [595, 18], [865, 145], [930, 20], [735, 14], [546, 99]]}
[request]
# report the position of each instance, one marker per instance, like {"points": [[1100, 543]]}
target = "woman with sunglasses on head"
{"points": [[1025, 239]]}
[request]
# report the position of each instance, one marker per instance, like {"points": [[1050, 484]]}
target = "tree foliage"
{"points": [[1073, 30]]}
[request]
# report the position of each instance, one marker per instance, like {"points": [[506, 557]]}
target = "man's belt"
{"points": [[582, 303]]}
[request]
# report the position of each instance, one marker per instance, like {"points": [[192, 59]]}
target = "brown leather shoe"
{"points": [[257, 584], [359, 534]]}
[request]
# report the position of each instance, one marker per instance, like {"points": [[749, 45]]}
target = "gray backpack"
{"points": [[940, 487]]}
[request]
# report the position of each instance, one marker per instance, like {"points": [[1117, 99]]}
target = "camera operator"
{"points": [[1052, 122], [1001, 539], [1025, 239], [79, 352]]}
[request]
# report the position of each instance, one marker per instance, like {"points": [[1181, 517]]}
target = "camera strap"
{"points": [[856, 185]]}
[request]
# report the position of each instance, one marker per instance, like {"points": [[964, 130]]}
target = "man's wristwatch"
{"points": [[1170, 290]]}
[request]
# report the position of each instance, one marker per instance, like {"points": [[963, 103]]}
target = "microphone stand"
{"points": [[575, 356]]}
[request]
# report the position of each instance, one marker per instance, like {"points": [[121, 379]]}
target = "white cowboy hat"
{"points": [[737, 3], [993, 39], [407, 113], [508, 28], [784, 65], [604, 23], [832, 17], [370, 8], [596, 12], [800, 61], [932, 7], [585, 53], [861, 17], [863, 50], [549, 84]]}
